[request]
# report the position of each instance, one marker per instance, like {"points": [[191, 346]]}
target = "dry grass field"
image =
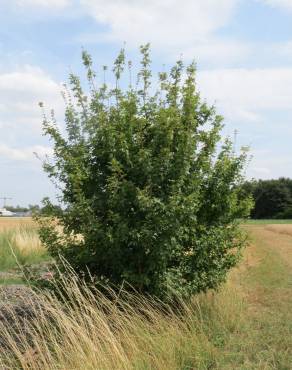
{"points": [[247, 324], [10, 223]]}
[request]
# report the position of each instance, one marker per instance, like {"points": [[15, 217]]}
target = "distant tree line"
{"points": [[272, 198], [21, 209], [33, 208]]}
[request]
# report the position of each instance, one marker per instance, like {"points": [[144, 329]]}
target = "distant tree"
{"points": [[149, 197], [49, 208], [272, 198], [16, 209], [34, 208]]}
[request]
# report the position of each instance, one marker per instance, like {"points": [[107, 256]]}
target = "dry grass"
{"points": [[27, 242], [280, 229], [95, 332], [10, 223], [245, 325], [19, 243], [277, 238]]}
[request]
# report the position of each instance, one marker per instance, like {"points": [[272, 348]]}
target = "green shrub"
{"points": [[149, 198]]}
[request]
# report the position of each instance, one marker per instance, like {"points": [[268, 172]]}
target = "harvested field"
{"points": [[280, 229], [8, 223]]}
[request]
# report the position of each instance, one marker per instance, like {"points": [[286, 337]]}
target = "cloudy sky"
{"points": [[243, 50]]}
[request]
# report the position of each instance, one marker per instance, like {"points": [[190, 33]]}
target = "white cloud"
{"points": [[283, 49], [20, 129], [267, 165], [20, 92], [285, 4], [244, 94], [24, 154], [218, 51], [43, 3], [260, 171], [171, 26]]}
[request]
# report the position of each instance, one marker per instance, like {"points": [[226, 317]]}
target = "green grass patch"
{"points": [[11, 281]]}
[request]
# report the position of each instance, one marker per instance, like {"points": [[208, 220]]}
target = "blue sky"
{"points": [[243, 50]]}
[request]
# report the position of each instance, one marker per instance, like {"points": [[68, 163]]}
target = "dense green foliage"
{"points": [[150, 198], [272, 198]]}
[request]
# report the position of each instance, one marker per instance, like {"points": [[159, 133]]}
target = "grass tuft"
{"points": [[93, 331]]}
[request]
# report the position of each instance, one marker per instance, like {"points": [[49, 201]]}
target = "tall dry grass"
{"points": [[89, 330], [26, 241], [20, 245], [246, 325]]}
